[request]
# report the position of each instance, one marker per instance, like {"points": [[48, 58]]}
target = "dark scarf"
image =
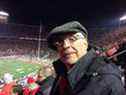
{"points": [[69, 79]]}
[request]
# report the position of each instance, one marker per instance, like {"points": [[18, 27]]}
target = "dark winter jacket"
{"points": [[91, 75]]}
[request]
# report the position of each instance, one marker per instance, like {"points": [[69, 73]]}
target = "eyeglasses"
{"points": [[72, 38]]}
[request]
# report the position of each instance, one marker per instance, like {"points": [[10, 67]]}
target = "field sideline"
{"points": [[17, 67]]}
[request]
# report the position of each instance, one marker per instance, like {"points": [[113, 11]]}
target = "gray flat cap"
{"points": [[73, 27]]}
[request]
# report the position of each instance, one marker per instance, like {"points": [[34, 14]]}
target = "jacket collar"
{"points": [[80, 68]]}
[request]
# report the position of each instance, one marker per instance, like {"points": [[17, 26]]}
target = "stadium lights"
{"points": [[4, 13], [123, 18], [3, 17]]}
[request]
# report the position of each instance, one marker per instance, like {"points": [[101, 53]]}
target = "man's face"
{"points": [[71, 47]]}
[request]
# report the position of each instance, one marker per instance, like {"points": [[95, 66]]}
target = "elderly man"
{"points": [[79, 71]]}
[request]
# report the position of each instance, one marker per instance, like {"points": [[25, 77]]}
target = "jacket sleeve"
{"points": [[117, 88]]}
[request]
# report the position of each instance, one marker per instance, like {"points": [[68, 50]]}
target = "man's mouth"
{"points": [[69, 54]]}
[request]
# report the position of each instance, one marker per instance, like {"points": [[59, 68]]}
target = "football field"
{"points": [[17, 68]]}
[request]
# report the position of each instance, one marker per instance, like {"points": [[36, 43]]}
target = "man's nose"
{"points": [[66, 43]]}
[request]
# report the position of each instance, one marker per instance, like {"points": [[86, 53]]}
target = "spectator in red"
{"points": [[32, 88]]}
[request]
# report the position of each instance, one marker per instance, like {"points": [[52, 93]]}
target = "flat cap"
{"points": [[70, 27]]}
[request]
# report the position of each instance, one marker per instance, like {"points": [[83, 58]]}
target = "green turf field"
{"points": [[17, 68]]}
